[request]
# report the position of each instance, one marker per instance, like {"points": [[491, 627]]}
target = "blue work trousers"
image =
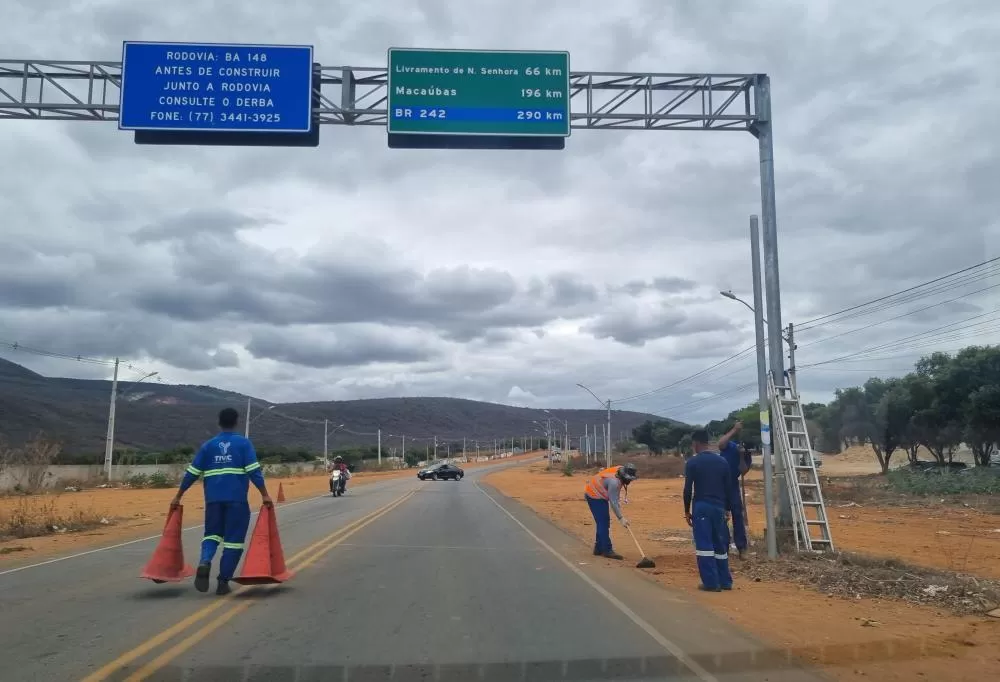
{"points": [[711, 544], [739, 520], [226, 524], [602, 519]]}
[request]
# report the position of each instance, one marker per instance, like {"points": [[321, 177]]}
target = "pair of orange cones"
{"points": [[264, 563]]}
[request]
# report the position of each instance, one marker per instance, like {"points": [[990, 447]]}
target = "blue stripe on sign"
{"points": [[476, 114]]}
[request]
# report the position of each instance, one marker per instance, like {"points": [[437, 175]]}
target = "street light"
{"points": [[734, 297], [607, 435], [246, 426], [109, 441], [326, 433]]}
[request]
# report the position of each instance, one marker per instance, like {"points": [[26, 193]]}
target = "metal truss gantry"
{"points": [[90, 91]]}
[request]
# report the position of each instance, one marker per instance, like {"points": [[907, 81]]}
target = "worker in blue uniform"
{"points": [[707, 484], [227, 463], [738, 458]]}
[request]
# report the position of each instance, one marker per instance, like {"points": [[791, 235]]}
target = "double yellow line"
{"points": [[299, 561]]}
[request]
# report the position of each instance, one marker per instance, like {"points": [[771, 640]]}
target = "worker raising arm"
{"points": [[738, 458]]}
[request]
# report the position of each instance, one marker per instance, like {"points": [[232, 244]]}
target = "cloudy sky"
{"points": [[352, 270]]}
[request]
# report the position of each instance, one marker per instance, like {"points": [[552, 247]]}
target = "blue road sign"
{"points": [[216, 87]]}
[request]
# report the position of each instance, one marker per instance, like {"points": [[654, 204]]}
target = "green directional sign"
{"points": [[472, 92]]}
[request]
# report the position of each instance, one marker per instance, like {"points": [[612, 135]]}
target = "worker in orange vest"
{"points": [[601, 492]]}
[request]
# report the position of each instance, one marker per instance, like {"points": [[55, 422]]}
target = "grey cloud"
{"points": [[225, 358], [570, 290], [665, 285], [880, 185], [218, 222], [633, 326], [343, 346]]}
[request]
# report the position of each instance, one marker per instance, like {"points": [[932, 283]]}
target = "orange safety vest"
{"points": [[595, 489]]}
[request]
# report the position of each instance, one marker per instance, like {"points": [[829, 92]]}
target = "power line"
{"points": [[897, 317], [942, 331], [17, 347], [654, 391], [806, 325]]}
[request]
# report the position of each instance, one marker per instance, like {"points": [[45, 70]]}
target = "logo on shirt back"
{"points": [[224, 457]]}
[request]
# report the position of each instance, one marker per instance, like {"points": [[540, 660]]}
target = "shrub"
{"points": [[979, 481], [137, 481], [160, 479]]}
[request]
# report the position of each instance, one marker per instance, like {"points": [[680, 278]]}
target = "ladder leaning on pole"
{"points": [[812, 528]]}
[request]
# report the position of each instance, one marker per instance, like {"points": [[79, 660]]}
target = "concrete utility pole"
{"points": [[403, 462], [326, 432], [379, 447], [109, 441], [246, 422], [762, 397], [791, 359]]}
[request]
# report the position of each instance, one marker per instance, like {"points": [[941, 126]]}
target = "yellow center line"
{"points": [[174, 630]]}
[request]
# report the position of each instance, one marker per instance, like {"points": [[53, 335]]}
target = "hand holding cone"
{"points": [[167, 563], [265, 559]]}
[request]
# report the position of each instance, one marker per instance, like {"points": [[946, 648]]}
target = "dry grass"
{"points": [[857, 576], [36, 516], [649, 466]]}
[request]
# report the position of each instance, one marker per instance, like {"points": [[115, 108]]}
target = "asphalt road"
{"points": [[399, 580]]}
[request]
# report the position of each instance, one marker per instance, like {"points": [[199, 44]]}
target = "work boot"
{"points": [[709, 589], [612, 554], [597, 552], [223, 587], [201, 576], [727, 588], [742, 553]]}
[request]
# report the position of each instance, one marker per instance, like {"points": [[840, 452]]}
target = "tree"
{"points": [[934, 425], [660, 435], [982, 426], [891, 418]]}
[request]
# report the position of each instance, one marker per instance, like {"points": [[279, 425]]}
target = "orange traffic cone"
{"points": [[265, 560], [167, 563], [281, 493]]}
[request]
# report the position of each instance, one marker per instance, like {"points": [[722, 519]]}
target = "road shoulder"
{"points": [[847, 639]]}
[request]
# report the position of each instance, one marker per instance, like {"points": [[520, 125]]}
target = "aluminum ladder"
{"points": [[812, 527]]}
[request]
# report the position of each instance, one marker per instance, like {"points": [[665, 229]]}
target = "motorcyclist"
{"points": [[345, 473]]}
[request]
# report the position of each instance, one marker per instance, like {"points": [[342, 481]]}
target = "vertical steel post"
{"points": [[772, 283], [762, 397]]}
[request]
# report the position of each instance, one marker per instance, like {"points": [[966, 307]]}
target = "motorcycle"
{"points": [[338, 482]]}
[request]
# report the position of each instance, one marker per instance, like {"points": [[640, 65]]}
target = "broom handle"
{"points": [[635, 541]]}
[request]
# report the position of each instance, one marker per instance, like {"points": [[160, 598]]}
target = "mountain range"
{"points": [[154, 417]]}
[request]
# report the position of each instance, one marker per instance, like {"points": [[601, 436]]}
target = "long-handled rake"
{"points": [[645, 562]]}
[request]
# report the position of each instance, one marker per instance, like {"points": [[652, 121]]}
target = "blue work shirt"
{"points": [[731, 453], [228, 463], [707, 476]]}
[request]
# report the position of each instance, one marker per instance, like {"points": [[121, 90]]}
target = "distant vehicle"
{"points": [[441, 472]]}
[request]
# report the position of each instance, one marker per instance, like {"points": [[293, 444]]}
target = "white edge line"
{"points": [[132, 542], [671, 647]]}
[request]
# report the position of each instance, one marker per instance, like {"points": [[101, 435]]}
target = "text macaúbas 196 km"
{"points": [[485, 115]]}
